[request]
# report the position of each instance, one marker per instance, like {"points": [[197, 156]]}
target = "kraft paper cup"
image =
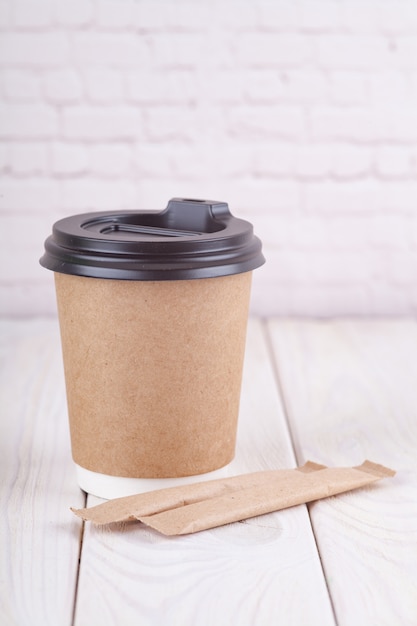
{"points": [[153, 310]]}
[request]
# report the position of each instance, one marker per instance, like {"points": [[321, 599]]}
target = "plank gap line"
{"points": [[281, 392], [77, 577], [280, 386]]}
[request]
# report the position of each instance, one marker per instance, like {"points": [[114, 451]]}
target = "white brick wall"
{"points": [[302, 114]]}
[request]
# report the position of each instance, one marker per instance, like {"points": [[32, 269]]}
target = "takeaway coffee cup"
{"points": [[153, 310]]}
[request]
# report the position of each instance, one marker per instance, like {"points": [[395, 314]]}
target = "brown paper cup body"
{"points": [[153, 372]]}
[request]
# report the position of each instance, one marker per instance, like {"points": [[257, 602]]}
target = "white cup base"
{"points": [[109, 487]]}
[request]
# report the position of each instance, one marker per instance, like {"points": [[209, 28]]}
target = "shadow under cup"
{"points": [[153, 311]]}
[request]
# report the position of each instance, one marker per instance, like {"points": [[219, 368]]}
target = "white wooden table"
{"points": [[333, 392]]}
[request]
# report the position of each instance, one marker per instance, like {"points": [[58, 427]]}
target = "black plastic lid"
{"points": [[189, 239]]}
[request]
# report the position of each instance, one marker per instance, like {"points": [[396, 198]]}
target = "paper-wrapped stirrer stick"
{"points": [[199, 506]]}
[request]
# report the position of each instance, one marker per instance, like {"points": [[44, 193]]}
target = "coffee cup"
{"points": [[153, 309]]}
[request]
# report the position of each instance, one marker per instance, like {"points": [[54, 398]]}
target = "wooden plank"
{"points": [[350, 390], [39, 538], [250, 573]]}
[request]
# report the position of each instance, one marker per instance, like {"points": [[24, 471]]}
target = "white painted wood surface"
{"points": [[350, 392], [39, 540]]}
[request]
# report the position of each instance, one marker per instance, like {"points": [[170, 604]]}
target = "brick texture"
{"points": [[302, 115]]}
